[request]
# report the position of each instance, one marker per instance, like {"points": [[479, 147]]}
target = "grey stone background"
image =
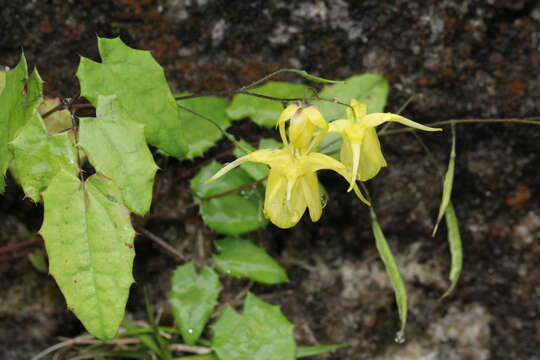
{"points": [[469, 59]]}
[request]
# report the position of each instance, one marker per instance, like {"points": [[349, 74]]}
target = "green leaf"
{"points": [[448, 183], [193, 298], [2, 80], [456, 251], [262, 333], [393, 273], [237, 213], [139, 83], [36, 156], [240, 258], [116, 148], [89, 241], [370, 89], [210, 356], [263, 111], [58, 121], [13, 115], [202, 134], [316, 350]]}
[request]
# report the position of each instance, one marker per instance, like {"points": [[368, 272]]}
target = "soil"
{"points": [[469, 59]]}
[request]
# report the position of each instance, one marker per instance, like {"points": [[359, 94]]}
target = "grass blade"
{"points": [[393, 272], [448, 183], [456, 250]]}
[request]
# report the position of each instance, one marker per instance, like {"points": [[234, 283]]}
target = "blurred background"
{"points": [[468, 59]]}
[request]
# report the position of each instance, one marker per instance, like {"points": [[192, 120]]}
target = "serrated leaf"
{"points": [[116, 148], [371, 89], [58, 121], [193, 298], [36, 156], [140, 85], [316, 350], [13, 115], [448, 183], [241, 258], [392, 270], [202, 134], [89, 241], [456, 250], [237, 213], [263, 111], [261, 333]]}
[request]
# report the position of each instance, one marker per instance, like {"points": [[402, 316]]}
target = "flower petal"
{"points": [[360, 110], [283, 213], [376, 119], [229, 167], [338, 126], [355, 152], [317, 161], [310, 188], [371, 159]]}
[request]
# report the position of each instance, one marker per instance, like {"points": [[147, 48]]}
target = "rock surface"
{"points": [[468, 59]]}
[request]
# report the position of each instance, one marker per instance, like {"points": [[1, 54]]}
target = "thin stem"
{"points": [[429, 153], [274, 98], [19, 245], [213, 122], [163, 245]]}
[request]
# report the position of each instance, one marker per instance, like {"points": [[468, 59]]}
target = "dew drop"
{"points": [[190, 331], [400, 337]]}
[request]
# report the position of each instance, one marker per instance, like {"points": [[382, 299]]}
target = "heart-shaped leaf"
{"points": [[89, 241], [193, 297]]}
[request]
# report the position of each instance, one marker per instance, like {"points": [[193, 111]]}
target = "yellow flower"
{"points": [[360, 150], [307, 127], [292, 184]]}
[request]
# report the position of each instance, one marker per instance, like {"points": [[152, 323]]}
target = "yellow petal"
{"points": [[315, 117], [271, 157], [287, 113], [376, 119], [317, 161], [357, 191], [311, 192], [338, 126], [355, 153], [360, 110], [228, 168], [285, 116], [301, 129], [371, 158], [282, 213]]}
